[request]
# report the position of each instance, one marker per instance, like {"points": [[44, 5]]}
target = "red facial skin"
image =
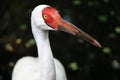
{"points": [[51, 17]]}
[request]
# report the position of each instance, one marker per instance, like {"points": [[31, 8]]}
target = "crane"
{"points": [[45, 66]]}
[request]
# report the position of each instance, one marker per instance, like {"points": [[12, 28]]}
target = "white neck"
{"points": [[46, 61]]}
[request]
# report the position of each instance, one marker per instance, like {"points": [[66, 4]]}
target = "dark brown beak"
{"points": [[72, 29]]}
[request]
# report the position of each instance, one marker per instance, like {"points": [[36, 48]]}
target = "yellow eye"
{"points": [[45, 16]]}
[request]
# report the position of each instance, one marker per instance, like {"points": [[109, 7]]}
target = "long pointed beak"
{"points": [[72, 29]]}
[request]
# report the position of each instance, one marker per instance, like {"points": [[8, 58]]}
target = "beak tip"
{"points": [[96, 43], [100, 46]]}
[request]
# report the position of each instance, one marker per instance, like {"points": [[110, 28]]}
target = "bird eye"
{"points": [[45, 16]]}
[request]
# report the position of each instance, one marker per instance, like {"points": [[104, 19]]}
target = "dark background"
{"points": [[82, 61]]}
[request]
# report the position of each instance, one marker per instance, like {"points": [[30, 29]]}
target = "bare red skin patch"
{"points": [[51, 16]]}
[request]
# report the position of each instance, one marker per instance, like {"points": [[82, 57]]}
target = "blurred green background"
{"points": [[82, 61]]}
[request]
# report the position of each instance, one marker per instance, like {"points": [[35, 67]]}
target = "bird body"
{"points": [[29, 66], [45, 66]]}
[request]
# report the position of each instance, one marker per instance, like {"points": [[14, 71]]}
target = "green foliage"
{"points": [[76, 2], [117, 29], [106, 50], [103, 18], [73, 66], [23, 27], [31, 41]]}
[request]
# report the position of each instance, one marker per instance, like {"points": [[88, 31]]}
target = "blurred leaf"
{"points": [[23, 26], [117, 29], [11, 64], [73, 66], [9, 47], [115, 64], [18, 41], [76, 2], [102, 18], [31, 41], [106, 50]]}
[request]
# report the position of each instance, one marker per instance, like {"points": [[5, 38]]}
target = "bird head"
{"points": [[45, 17]]}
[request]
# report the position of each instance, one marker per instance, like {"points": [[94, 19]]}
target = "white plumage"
{"points": [[44, 67], [27, 68]]}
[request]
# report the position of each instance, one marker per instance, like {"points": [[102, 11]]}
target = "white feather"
{"points": [[27, 68]]}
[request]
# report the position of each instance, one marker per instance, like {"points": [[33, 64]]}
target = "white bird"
{"points": [[45, 66]]}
